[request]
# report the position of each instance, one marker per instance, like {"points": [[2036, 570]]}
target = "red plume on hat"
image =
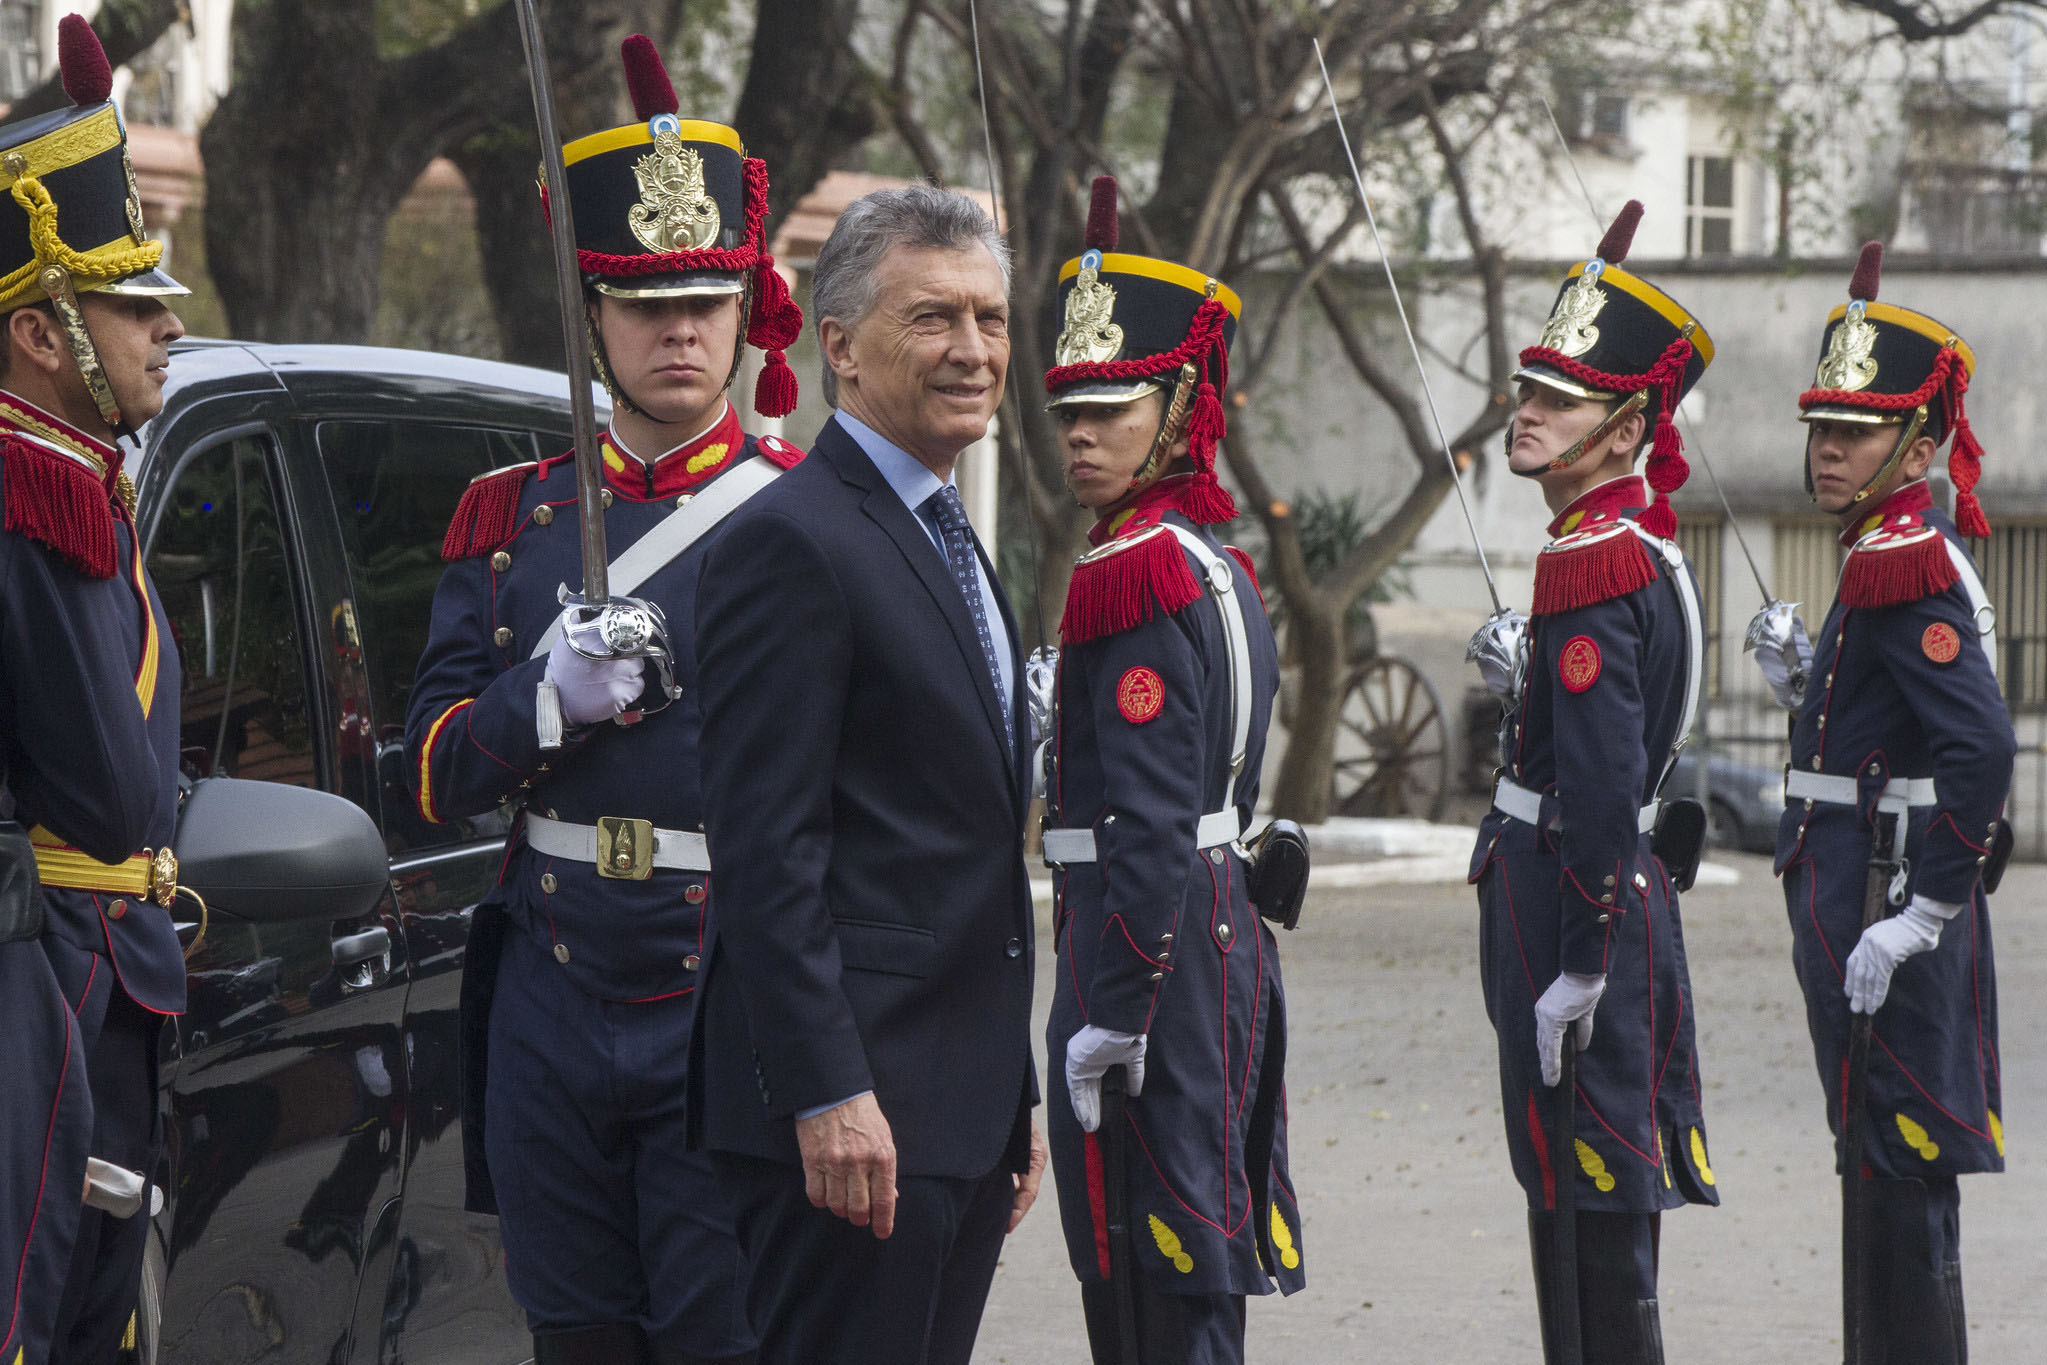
{"points": [[87, 75]]}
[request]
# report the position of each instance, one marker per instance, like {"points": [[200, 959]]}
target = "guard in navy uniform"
{"points": [[1165, 686], [1898, 713], [583, 961], [1576, 910], [90, 965]]}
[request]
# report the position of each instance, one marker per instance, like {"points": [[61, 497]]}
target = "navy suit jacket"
{"points": [[871, 924]]}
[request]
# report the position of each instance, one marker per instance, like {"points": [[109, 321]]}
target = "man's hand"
{"points": [[592, 690], [1885, 944], [1777, 638], [1089, 1054], [849, 1163], [1027, 1183], [1570, 999]]}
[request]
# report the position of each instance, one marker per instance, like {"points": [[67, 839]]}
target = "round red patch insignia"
{"points": [[1941, 642], [1140, 695], [1578, 664]]}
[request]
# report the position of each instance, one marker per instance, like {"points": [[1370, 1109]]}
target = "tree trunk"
{"points": [[1315, 638], [320, 136], [806, 102]]}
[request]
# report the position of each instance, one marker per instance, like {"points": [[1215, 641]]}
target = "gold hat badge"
{"points": [[1091, 335], [675, 212], [1850, 361], [1569, 330]]}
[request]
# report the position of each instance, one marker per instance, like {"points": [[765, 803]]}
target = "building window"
{"points": [[2013, 563], [1709, 206], [21, 58]]}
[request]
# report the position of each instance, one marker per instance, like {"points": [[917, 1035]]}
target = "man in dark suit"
{"points": [[862, 1070]]}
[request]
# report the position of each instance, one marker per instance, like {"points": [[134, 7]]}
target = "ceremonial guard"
{"points": [[1577, 909], [582, 962], [90, 965], [1178, 1205], [1901, 759]]}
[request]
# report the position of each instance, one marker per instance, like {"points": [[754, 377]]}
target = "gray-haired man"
{"points": [[863, 1072]]}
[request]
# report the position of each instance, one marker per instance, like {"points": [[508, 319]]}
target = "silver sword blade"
{"points": [[1386, 259], [575, 339]]}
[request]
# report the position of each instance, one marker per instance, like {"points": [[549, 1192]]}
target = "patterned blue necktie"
{"points": [[950, 514]]}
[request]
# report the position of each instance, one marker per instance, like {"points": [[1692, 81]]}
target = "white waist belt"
{"points": [[1843, 791], [1513, 799], [1064, 846], [649, 848]]}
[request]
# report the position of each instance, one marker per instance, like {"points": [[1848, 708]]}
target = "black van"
{"points": [[292, 504]]}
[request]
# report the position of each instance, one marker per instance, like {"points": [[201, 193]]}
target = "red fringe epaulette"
{"points": [[489, 511], [1888, 567], [781, 452], [1579, 570], [60, 504], [1125, 583]]}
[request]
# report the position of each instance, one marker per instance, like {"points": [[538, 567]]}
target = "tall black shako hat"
{"points": [[1880, 363], [1132, 324], [71, 220], [669, 207], [1612, 334]]}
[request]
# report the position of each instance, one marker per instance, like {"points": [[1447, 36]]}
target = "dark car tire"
{"points": [[1723, 826]]}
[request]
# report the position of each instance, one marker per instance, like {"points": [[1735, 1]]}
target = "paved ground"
{"points": [[1416, 1243]]}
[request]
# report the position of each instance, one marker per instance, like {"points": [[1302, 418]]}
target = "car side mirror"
{"points": [[268, 852]]}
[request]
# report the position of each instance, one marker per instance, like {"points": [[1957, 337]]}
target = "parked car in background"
{"points": [[292, 504], [1743, 799]]}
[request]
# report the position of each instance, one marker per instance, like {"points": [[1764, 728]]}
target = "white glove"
{"points": [[1500, 649], [1570, 998], [1776, 636], [592, 690], [1915, 929], [1090, 1053]]}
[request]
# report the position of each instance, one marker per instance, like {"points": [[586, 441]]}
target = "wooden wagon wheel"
{"points": [[1392, 744]]}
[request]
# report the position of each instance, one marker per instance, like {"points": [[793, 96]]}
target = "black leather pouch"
{"points": [[1278, 880], [2000, 853], [1679, 839]]}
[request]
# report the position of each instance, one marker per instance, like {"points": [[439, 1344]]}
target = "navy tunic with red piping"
{"points": [[1603, 701], [83, 641], [1901, 687], [1157, 937], [473, 744]]}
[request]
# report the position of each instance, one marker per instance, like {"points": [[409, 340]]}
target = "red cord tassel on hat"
{"points": [[1965, 459], [774, 326]]}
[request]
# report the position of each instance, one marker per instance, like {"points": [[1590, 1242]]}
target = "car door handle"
{"points": [[360, 947]]}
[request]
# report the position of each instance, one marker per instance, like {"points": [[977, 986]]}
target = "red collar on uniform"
{"points": [[1145, 511], [1900, 511], [677, 471], [1602, 504], [24, 418]]}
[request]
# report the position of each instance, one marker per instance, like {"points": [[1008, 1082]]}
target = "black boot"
{"points": [[1542, 1252], [1617, 1286], [611, 1343], [1951, 1278], [1911, 1315]]}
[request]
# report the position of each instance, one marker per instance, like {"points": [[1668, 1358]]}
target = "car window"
{"points": [[224, 570], [395, 486]]}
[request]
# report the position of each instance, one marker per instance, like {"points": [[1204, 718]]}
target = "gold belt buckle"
{"points": [[625, 848], [162, 876]]}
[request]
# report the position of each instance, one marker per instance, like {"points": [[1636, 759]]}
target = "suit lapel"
{"points": [[928, 562]]}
